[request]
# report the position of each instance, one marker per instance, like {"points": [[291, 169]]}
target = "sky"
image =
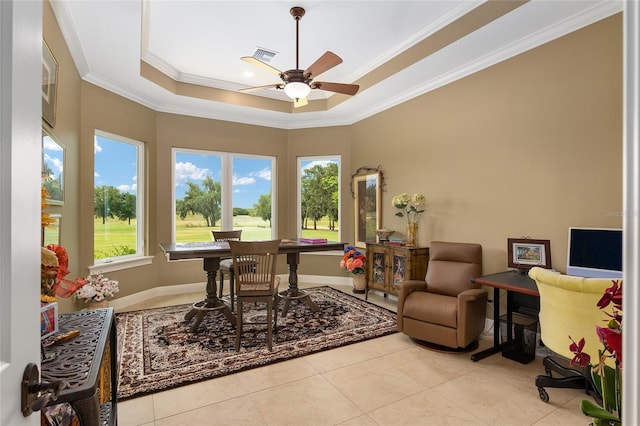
{"points": [[115, 166], [53, 155]]}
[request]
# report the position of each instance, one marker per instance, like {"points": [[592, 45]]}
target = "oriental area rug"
{"points": [[157, 352]]}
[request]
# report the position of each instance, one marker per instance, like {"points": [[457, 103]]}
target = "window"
{"points": [[118, 191], [222, 191], [319, 195]]}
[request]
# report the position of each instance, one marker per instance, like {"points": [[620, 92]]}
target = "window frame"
{"points": [[226, 185], [334, 157], [140, 204]]}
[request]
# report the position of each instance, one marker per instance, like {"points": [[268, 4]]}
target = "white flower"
{"points": [[97, 287], [409, 206]]}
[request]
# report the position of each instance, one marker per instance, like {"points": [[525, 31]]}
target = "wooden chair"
{"points": [[254, 264], [226, 265]]}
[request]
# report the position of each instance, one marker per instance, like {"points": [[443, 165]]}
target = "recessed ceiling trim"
{"points": [[69, 31]]}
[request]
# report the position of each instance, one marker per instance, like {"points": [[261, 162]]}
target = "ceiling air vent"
{"points": [[263, 54]]}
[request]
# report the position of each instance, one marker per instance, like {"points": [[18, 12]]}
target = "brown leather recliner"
{"points": [[447, 308]]}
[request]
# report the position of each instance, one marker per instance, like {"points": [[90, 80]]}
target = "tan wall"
{"points": [[67, 132], [197, 133], [527, 147]]}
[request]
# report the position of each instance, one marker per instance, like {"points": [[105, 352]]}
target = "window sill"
{"points": [[117, 265]]}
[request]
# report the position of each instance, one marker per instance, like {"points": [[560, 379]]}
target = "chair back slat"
{"points": [[227, 235], [254, 265]]}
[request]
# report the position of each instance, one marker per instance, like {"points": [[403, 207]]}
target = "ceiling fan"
{"points": [[298, 83]]}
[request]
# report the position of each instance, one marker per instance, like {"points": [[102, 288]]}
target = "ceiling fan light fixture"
{"points": [[297, 90]]}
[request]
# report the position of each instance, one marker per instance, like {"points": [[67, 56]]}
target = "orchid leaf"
{"points": [[608, 388], [596, 412]]}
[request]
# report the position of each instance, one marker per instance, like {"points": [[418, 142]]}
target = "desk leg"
{"points": [[293, 292], [211, 302], [496, 330]]}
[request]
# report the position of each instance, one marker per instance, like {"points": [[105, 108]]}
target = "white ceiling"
{"points": [[201, 42]]}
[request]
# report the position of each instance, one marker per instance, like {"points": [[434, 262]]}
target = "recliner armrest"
{"points": [[472, 294], [472, 306], [405, 288]]}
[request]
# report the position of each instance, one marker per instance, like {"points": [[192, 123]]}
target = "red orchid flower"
{"points": [[612, 295], [612, 341], [581, 358]]}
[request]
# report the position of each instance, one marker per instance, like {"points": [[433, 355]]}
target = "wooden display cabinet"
{"points": [[389, 265]]}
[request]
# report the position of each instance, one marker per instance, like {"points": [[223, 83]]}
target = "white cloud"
{"points": [[241, 181], [263, 174], [127, 188], [96, 145], [55, 164], [49, 144], [189, 171], [322, 163]]}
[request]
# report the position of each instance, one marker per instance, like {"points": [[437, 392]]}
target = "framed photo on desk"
{"points": [[525, 253]]}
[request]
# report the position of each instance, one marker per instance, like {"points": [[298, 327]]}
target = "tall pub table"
{"points": [[522, 296], [211, 252]]}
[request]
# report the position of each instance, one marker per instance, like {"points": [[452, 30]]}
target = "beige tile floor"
{"points": [[386, 381]]}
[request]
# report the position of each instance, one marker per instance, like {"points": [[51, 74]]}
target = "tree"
{"points": [[106, 202], [52, 184], [127, 207], [319, 186], [263, 207], [205, 202]]}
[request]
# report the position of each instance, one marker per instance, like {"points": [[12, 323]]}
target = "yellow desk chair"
{"points": [[568, 307]]}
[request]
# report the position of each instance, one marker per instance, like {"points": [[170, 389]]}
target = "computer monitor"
{"points": [[595, 252]]}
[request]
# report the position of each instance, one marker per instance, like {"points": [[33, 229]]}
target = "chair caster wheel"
{"points": [[544, 396]]}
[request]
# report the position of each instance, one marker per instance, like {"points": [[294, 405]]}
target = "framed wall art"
{"points": [[525, 253], [49, 85], [368, 210], [53, 153]]}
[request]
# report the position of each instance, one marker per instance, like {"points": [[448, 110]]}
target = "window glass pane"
{"points": [[222, 191], [117, 209], [319, 195], [198, 195], [252, 194]]}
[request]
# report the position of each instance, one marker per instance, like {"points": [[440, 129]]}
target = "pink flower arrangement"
{"points": [[353, 260]]}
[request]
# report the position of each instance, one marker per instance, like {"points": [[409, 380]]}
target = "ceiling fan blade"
{"points": [[347, 89], [300, 102], [258, 62], [255, 89], [322, 64]]}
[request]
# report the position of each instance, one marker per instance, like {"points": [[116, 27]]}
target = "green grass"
{"points": [[113, 236]]}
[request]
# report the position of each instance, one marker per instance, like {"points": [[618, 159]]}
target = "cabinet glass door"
{"points": [[398, 269]]}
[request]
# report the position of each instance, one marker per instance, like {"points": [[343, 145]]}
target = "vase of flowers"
{"points": [[411, 207], [354, 262], [96, 289], [607, 379]]}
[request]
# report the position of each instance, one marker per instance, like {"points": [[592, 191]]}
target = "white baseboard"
{"points": [[132, 299]]}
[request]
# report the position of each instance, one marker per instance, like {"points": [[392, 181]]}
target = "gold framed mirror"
{"points": [[366, 187]]}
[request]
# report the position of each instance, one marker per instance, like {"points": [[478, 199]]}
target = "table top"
{"points": [[193, 250], [512, 280]]}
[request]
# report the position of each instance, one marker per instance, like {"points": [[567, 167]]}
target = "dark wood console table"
{"points": [[87, 366], [515, 283]]}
